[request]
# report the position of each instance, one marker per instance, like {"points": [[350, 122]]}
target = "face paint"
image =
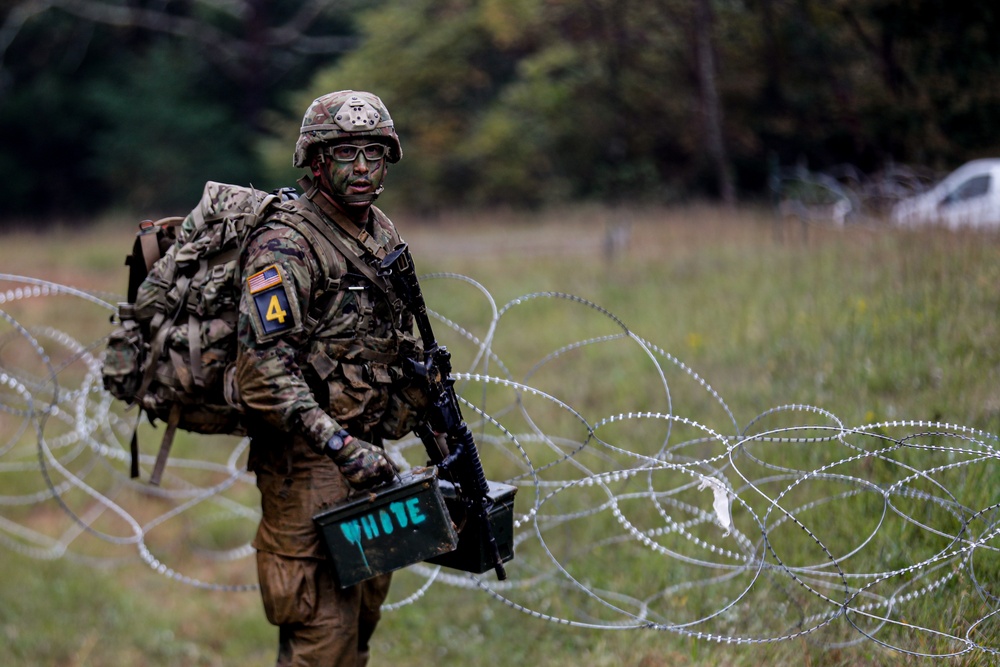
{"points": [[352, 185]]}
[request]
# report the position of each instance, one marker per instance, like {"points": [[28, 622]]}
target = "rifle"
{"points": [[460, 462]]}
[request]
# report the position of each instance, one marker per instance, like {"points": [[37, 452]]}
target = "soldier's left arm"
{"points": [[279, 274]]}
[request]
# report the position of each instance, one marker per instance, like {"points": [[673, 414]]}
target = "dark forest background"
{"points": [[132, 104]]}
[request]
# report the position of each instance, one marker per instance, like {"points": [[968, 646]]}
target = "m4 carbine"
{"points": [[460, 463]]}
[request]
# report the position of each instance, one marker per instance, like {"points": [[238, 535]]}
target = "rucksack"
{"points": [[175, 338]]}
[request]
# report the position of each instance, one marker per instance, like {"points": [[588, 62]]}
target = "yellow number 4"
{"points": [[274, 311]]}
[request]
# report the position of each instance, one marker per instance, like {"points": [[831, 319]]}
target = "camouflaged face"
{"points": [[345, 114]]}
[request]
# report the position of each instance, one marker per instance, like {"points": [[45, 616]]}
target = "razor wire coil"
{"points": [[622, 516]]}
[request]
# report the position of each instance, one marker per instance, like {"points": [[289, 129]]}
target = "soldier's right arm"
{"points": [[279, 274]]}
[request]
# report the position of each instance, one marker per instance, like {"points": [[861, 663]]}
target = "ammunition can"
{"points": [[388, 529]]}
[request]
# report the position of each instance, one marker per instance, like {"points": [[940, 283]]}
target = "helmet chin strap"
{"points": [[367, 198]]}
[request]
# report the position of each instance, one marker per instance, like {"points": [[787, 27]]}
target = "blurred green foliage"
{"points": [[160, 136], [513, 102]]}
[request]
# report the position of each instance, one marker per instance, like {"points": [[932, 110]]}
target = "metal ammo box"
{"points": [[385, 530], [473, 553]]}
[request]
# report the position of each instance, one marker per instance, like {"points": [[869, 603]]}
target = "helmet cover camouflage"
{"points": [[345, 114]]}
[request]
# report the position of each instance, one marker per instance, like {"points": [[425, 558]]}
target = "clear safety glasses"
{"points": [[349, 152]]}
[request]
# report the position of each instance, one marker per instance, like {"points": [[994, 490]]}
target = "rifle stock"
{"points": [[460, 463]]}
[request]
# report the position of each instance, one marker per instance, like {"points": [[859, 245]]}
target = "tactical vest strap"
{"points": [[350, 254], [320, 201], [377, 363]]}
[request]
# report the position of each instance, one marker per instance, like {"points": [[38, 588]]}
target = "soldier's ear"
{"points": [[316, 162]]}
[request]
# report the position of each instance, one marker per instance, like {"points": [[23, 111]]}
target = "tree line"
{"points": [[132, 105]]}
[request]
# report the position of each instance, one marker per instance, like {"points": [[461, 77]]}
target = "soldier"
{"points": [[318, 373]]}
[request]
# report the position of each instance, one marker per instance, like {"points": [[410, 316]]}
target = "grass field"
{"points": [[870, 325]]}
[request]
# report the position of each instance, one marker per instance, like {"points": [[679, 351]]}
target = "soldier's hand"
{"points": [[362, 463]]}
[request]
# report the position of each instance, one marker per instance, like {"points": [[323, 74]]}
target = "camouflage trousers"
{"points": [[319, 624]]}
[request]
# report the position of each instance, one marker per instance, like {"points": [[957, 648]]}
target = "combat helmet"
{"points": [[345, 114]]}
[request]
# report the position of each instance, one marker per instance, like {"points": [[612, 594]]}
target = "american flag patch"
{"points": [[260, 281]]}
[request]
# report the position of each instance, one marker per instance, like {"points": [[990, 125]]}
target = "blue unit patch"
{"points": [[272, 304], [273, 310]]}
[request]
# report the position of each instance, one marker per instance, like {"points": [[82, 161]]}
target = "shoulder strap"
{"points": [[322, 203], [306, 208], [326, 246]]}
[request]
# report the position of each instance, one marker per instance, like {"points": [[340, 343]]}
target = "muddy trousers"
{"points": [[319, 625]]}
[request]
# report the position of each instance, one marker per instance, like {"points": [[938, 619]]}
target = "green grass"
{"points": [[68, 613], [869, 325]]}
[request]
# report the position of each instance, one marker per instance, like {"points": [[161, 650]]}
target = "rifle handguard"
{"points": [[444, 415]]}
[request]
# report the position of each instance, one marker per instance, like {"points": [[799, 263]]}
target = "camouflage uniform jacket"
{"points": [[315, 353]]}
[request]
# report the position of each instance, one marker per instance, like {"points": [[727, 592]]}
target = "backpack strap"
{"points": [[149, 241], [320, 201], [302, 217], [161, 325], [148, 247], [165, 445], [350, 253]]}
